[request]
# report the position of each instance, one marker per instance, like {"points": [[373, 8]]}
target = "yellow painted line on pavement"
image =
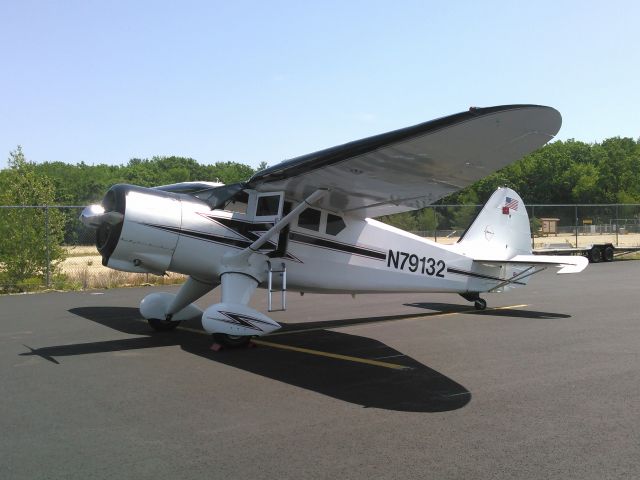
{"points": [[309, 351], [337, 356], [509, 306]]}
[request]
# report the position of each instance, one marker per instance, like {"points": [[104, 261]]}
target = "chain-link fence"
{"points": [[48, 247], [552, 226]]}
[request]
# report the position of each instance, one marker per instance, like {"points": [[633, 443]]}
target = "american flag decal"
{"points": [[511, 203]]}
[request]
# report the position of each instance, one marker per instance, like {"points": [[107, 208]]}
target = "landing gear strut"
{"points": [[164, 311]]}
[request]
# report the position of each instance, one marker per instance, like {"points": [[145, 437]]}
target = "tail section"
{"points": [[500, 231], [499, 242]]}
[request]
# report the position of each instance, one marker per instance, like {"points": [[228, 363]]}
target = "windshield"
{"points": [[218, 197]]}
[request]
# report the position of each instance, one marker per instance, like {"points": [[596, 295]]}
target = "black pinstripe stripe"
{"points": [[480, 275]]}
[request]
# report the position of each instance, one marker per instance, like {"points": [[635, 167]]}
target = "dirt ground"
{"points": [[83, 267]]}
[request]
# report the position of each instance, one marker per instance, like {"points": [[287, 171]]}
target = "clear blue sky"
{"points": [[247, 81]]}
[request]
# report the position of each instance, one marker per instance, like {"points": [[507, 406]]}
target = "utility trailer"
{"points": [[597, 252]]}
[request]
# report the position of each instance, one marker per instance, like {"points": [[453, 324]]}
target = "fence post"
{"points": [[617, 220], [576, 222], [46, 228], [532, 222], [435, 224]]}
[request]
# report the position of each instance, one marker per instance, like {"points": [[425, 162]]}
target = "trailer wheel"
{"points": [[595, 255], [608, 254]]}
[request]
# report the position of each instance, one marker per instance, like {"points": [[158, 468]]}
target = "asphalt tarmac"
{"points": [[544, 384]]}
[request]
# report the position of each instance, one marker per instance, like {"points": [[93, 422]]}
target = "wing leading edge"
{"points": [[413, 167]]}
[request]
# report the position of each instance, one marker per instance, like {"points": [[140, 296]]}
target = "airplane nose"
{"points": [[91, 216], [107, 218], [94, 216]]}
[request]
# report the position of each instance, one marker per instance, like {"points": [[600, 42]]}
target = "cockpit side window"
{"points": [[219, 197], [335, 224], [310, 219], [238, 203], [268, 205]]}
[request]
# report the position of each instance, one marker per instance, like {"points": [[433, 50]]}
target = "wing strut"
{"points": [[524, 274], [286, 220]]}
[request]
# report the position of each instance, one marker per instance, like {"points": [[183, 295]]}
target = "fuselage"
{"points": [[323, 251]]}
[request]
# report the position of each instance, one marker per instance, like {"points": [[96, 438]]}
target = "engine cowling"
{"points": [[137, 228]]}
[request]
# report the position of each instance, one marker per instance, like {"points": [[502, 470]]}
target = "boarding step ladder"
{"points": [[283, 287]]}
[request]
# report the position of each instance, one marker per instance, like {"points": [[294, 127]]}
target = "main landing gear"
{"points": [[221, 340], [163, 325], [231, 341], [478, 303]]}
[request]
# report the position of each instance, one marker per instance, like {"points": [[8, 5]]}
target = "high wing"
{"points": [[413, 167]]}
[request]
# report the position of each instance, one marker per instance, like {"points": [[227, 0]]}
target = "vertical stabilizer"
{"points": [[500, 231]]}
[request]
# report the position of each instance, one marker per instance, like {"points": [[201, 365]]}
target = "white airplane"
{"points": [[307, 224]]}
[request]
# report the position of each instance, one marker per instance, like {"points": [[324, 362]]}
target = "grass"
{"points": [[83, 269]]}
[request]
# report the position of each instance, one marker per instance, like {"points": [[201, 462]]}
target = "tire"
{"points": [[231, 341], [480, 304], [163, 325], [608, 254], [595, 255]]}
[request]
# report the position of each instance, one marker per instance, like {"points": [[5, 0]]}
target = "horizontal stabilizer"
{"points": [[567, 264]]}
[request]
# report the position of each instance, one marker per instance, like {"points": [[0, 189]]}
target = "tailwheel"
{"points": [[480, 304], [231, 341], [160, 325]]}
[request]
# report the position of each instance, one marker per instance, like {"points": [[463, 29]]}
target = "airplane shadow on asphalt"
{"points": [[417, 388], [509, 312]]}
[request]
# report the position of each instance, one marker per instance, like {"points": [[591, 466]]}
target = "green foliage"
{"points": [[84, 184], [263, 165], [461, 217], [535, 225], [405, 221], [30, 238]]}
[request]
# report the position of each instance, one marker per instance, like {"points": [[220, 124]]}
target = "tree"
{"points": [[404, 221], [262, 166], [30, 238], [461, 217]]}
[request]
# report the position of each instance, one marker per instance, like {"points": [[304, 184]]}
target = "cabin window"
{"points": [[335, 224], [310, 219], [268, 205]]}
